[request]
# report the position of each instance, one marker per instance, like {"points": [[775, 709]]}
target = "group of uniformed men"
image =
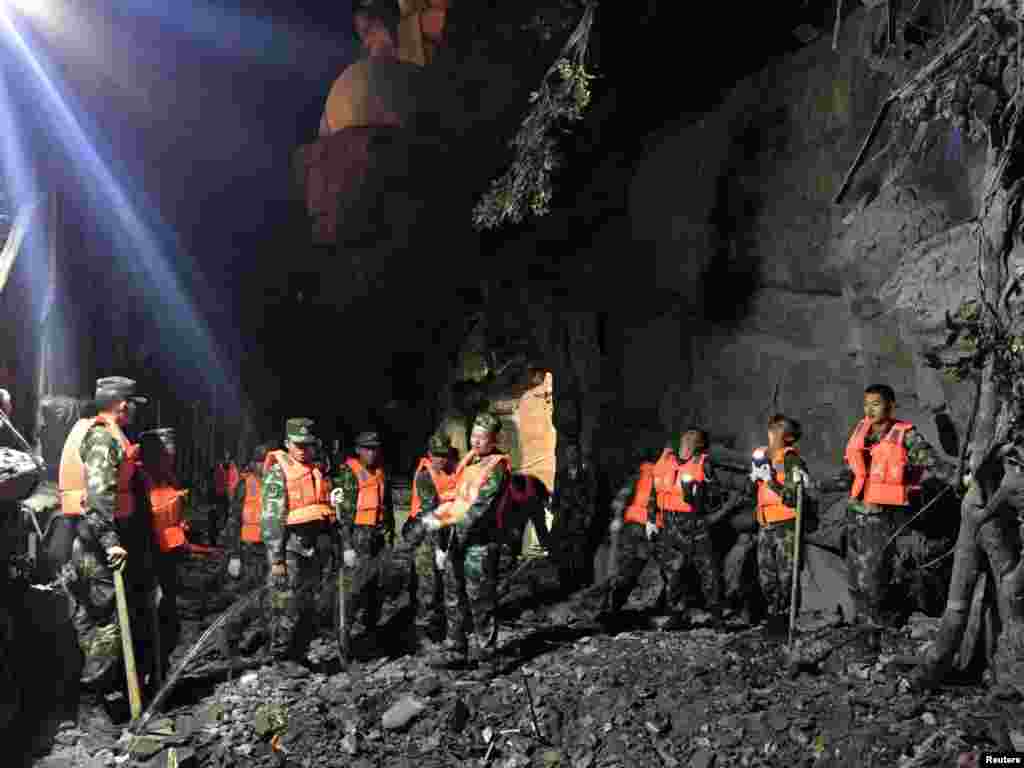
{"points": [[129, 506]]}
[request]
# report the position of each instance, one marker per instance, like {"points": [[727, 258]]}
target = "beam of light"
{"points": [[130, 227]]}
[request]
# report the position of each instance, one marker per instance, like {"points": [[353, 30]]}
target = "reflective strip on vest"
{"points": [[444, 484], [636, 512], [252, 509], [168, 505], [881, 472], [470, 479], [308, 491], [770, 508], [370, 501]]}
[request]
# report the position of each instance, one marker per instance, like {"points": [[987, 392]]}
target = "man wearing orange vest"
{"points": [[167, 507], [775, 470], [476, 517], [225, 480], [886, 460], [296, 511], [433, 485], [366, 519], [100, 482], [248, 564], [685, 538]]}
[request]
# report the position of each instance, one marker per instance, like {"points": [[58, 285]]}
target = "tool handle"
{"points": [[794, 595], [134, 694]]}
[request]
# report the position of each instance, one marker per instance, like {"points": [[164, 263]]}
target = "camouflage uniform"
{"points": [[253, 575], [869, 527], [775, 545], [89, 578], [573, 505], [440, 445], [292, 599], [684, 543], [368, 542], [471, 573]]}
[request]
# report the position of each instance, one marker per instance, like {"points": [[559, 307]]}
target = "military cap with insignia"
{"points": [[439, 445], [300, 430], [118, 388], [368, 440], [488, 421], [163, 435]]}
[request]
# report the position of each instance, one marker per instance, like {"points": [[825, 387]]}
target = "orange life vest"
{"points": [[308, 490], [444, 482], [668, 481], [168, 505], [636, 512], [252, 509], [469, 479], [226, 480], [881, 472], [71, 476], [770, 508], [370, 501]]}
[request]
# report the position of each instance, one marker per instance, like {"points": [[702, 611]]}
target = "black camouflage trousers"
{"points": [[632, 551], [253, 576], [91, 582], [365, 579], [868, 560], [169, 576], [471, 592], [738, 587], [293, 605], [683, 544], [775, 549]]}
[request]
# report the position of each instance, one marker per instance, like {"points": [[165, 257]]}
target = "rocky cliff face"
{"points": [[729, 284]]}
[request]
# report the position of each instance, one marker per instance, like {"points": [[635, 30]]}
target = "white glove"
{"points": [[349, 556], [337, 496], [651, 529], [440, 558], [234, 567], [801, 476], [431, 523], [761, 472], [967, 480]]}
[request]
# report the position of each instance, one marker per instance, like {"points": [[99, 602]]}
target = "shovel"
{"points": [[134, 694], [794, 595]]}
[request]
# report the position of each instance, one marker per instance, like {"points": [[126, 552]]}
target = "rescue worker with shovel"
{"points": [[104, 467]]}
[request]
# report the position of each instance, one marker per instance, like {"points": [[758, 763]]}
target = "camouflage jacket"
{"points": [[279, 537], [102, 455], [346, 480], [574, 501], [920, 454], [481, 518], [625, 496]]}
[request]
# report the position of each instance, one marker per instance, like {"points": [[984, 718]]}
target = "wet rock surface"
{"points": [[563, 693]]}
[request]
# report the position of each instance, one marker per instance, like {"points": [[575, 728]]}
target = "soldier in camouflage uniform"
{"points": [[296, 511], [573, 505], [109, 538], [870, 558], [247, 566], [471, 562], [685, 538], [426, 499], [366, 525]]}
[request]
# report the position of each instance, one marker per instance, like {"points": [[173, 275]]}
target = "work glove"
{"points": [[762, 472], [116, 556], [234, 567], [801, 476], [652, 530], [431, 523], [279, 572], [349, 556], [440, 558]]}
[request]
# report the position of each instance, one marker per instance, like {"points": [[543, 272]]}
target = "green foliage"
{"points": [[561, 100]]}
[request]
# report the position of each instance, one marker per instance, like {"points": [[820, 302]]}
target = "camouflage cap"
{"points": [[439, 444], [488, 421], [120, 388], [368, 440], [164, 435], [300, 430]]}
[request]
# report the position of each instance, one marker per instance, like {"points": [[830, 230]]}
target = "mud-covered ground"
{"points": [[563, 693]]}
